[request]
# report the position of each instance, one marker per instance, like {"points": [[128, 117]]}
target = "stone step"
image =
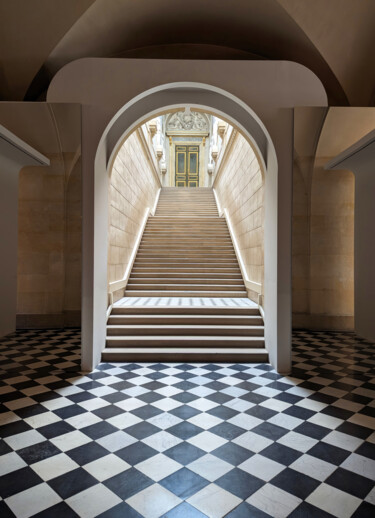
{"points": [[184, 286], [243, 311], [186, 293], [184, 275], [152, 281], [180, 354], [184, 341], [180, 319], [177, 269], [161, 329]]}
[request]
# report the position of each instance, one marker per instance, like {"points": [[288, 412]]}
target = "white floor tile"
{"points": [[297, 441], [24, 439], [360, 465], [239, 404], [204, 420], [245, 421], [20, 403], [275, 404], [164, 420], [325, 420], [333, 501], [210, 467], [54, 466], [116, 441], [274, 501], [59, 402], [203, 404], [70, 440], [82, 420], [123, 420], [158, 467], [285, 421], [33, 500], [214, 501], [167, 404], [106, 467], [262, 467], [93, 404], [93, 501], [207, 441], [252, 441], [342, 440], [162, 441], [153, 501], [130, 404], [44, 419], [11, 462], [313, 467]]}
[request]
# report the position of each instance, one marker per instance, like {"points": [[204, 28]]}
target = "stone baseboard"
{"points": [[322, 322], [49, 321]]}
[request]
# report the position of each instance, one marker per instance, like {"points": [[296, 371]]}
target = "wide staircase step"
{"points": [[186, 254]]}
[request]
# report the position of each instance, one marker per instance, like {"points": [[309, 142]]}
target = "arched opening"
{"points": [[209, 99], [187, 149]]}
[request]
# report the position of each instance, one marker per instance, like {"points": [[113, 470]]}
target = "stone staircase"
{"points": [[186, 251]]}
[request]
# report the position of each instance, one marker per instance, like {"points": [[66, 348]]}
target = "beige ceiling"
{"points": [[334, 38]]}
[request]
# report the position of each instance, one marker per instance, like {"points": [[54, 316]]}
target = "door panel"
{"points": [[187, 166]]}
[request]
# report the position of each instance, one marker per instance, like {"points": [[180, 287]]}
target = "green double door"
{"points": [[187, 166]]}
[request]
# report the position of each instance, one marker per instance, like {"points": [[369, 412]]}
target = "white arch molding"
{"points": [[117, 94], [148, 105]]}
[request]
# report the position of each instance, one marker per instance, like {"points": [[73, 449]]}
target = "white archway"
{"points": [[110, 89], [226, 106]]}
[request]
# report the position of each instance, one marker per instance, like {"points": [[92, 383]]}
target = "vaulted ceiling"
{"points": [[334, 38]]}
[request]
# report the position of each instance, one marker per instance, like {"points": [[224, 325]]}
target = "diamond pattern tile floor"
{"points": [[186, 440]]}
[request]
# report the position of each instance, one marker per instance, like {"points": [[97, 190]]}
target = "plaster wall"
{"points": [[132, 188], [240, 189]]}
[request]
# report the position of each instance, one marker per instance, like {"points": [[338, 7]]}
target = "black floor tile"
{"points": [[280, 453], [18, 481], [232, 453], [184, 412], [350, 482], [239, 483], [136, 453], [87, 453], [38, 452], [184, 453], [61, 510], [184, 510], [122, 510], [128, 483], [246, 510], [184, 483], [329, 453], [185, 430], [72, 482], [227, 430], [297, 484]]}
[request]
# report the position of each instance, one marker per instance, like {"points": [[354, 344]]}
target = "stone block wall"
{"points": [[133, 187], [240, 189], [49, 244]]}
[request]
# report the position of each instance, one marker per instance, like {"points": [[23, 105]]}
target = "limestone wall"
{"points": [[49, 244], [240, 189], [133, 187]]}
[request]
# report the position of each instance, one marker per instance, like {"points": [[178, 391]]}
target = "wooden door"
{"points": [[187, 166]]}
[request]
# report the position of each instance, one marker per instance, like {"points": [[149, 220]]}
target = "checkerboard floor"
{"points": [[186, 440]]}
